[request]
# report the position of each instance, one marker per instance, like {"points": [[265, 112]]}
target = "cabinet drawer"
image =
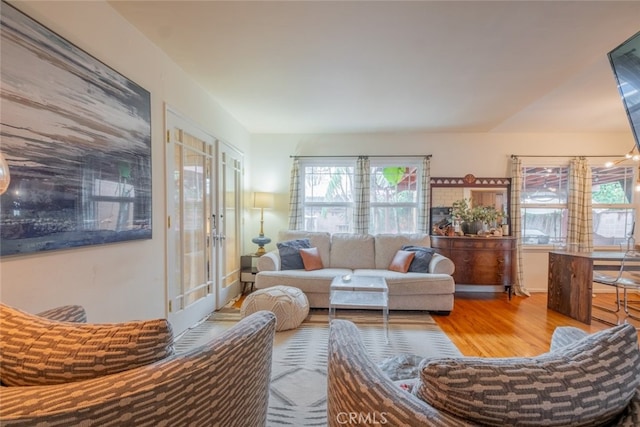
{"points": [[247, 277], [486, 243]]}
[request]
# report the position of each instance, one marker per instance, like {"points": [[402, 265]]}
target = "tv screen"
{"points": [[625, 61]]}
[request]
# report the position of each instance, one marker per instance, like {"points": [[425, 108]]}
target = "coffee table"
{"points": [[353, 291]]}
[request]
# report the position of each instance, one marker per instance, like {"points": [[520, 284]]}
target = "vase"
{"points": [[472, 227]]}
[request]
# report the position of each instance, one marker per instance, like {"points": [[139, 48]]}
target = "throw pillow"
{"points": [[421, 261], [289, 251], [402, 366], [587, 383], [311, 259], [401, 261], [39, 351]]}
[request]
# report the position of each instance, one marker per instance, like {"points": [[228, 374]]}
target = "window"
{"points": [[394, 198], [612, 196], [544, 205], [329, 194]]}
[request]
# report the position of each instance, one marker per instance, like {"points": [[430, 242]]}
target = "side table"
{"points": [[248, 271]]}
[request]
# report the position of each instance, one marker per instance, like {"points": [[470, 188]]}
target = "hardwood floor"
{"points": [[490, 325]]}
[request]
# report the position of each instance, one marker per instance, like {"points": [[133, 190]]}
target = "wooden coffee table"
{"points": [[354, 291]]}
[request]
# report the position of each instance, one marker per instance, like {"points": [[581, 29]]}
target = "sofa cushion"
{"points": [[353, 251], [420, 263], [401, 261], [39, 351], [586, 383], [317, 239], [311, 259], [386, 246], [290, 258]]}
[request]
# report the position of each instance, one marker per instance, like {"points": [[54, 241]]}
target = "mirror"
{"points": [[481, 191]]}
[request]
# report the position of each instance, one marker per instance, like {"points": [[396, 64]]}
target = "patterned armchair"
{"points": [[584, 380], [223, 382]]}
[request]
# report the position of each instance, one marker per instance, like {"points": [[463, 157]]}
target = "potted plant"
{"points": [[473, 219]]}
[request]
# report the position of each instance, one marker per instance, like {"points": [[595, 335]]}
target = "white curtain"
{"points": [[362, 196], [296, 220], [423, 210], [516, 224], [580, 228]]}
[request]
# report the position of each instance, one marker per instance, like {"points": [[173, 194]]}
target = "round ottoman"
{"points": [[289, 304]]}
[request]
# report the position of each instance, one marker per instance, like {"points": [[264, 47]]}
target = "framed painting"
{"points": [[76, 135]]}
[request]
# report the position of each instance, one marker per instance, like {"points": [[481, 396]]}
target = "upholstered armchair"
{"points": [[584, 380], [223, 382]]}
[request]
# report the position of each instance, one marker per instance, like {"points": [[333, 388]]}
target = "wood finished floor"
{"points": [[489, 325]]}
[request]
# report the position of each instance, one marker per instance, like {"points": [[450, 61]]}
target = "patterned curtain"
{"points": [[423, 209], [516, 224], [362, 196], [295, 201], [580, 229]]}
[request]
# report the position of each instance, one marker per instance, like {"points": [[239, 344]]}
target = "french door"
{"points": [[228, 231], [203, 207]]}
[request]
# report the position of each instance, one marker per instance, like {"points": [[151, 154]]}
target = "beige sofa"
{"points": [[344, 253]]}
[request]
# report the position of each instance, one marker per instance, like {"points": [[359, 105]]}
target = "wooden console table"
{"points": [[571, 281], [480, 260]]}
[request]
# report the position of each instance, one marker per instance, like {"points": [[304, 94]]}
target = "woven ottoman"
{"points": [[289, 304]]}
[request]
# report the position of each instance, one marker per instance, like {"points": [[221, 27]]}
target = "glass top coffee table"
{"points": [[354, 291]]}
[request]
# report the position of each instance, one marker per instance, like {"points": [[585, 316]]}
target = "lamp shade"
{"points": [[262, 200]]}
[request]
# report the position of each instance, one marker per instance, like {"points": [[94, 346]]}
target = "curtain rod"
{"points": [[363, 155], [568, 155]]}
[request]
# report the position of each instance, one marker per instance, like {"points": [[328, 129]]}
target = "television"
{"points": [[625, 62]]}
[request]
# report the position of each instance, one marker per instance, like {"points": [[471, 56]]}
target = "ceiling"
{"points": [[395, 66]]}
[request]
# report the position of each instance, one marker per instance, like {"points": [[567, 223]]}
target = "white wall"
{"points": [[481, 154], [120, 281]]}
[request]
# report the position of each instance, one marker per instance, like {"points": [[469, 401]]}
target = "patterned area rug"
{"points": [[299, 382]]}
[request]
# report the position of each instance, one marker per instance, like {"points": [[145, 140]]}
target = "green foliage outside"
{"points": [[610, 193]]}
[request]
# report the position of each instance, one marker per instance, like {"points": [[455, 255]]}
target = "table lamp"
{"points": [[262, 201]]}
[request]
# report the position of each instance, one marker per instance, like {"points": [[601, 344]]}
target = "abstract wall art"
{"points": [[76, 135]]}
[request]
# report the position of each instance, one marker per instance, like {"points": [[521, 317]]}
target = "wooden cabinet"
{"points": [[480, 260]]}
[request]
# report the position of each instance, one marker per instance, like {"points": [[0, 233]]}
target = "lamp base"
{"points": [[261, 240]]}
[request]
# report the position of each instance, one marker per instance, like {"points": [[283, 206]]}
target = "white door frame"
{"points": [[183, 313]]}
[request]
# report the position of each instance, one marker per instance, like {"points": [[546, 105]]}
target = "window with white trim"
{"points": [[544, 209], [328, 197], [395, 194], [543, 202], [613, 211]]}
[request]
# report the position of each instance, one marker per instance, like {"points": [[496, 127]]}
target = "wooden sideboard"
{"points": [[480, 260]]}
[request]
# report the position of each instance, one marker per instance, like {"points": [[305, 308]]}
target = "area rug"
{"points": [[299, 381]]}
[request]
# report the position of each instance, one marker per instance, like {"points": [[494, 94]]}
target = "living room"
{"points": [[570, 109], [127, 280]]}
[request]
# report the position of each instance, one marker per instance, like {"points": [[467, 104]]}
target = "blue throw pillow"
{"points": [[290, 258], [420, 263]]}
